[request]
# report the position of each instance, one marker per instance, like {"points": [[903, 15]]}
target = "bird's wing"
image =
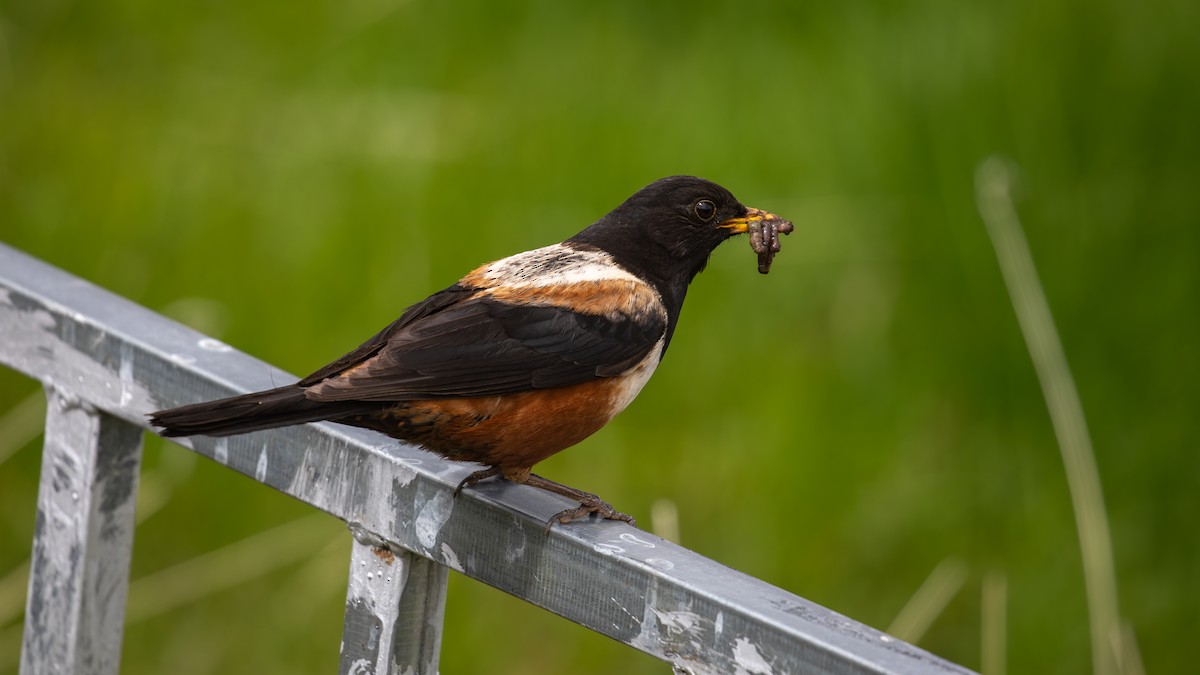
{"points": [[434, 303], [482, 346]]}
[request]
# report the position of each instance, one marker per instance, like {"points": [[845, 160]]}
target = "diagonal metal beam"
{"points": [[627, 584]]}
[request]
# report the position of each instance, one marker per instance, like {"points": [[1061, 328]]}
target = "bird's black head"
{"points": [[667, 230]]}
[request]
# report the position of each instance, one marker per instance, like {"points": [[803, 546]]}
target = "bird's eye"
{"points": [[705, 209]]}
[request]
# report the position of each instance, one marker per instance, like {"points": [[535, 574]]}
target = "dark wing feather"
{"points": [[434, 303], [486, 347]]}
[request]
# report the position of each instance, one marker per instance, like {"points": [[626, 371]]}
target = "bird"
{"points": [[523, 357]]}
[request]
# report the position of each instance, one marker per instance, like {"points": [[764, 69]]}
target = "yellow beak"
{"points": [[742, 225]]}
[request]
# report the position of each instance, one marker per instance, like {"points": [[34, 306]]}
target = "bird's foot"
{"points": [[476, 477], [586, 508], [588, 503]]}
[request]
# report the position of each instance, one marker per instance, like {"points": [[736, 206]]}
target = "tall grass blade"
{"points": [[994, 620], [993, 186], [930, 600]]}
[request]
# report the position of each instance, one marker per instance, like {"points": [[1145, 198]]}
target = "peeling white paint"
{"points": [[409, 463], [221, 450], [260, 470], [403, 478], [747, 660], [631, 538], [718, 626], [647, 638], [433, 516], [680, 622], [450, 558], [125, 371], [660, 564], [182, 359], [213, 345], [407, 473], [680, 630], [515, 551]]}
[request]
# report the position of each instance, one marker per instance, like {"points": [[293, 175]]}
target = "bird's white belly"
{"points": [[635, 379]]}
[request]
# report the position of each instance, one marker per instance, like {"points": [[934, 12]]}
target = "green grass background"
{"points": [[289, 176]]}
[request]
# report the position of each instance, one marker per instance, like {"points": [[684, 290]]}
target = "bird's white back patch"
{"points": [[557, 264]]}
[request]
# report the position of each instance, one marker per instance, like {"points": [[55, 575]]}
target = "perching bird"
{"points": [[523, 357]]}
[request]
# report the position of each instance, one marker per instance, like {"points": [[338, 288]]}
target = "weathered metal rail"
{"points": [[106, 362]]}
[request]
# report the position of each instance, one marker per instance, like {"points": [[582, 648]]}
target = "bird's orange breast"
{"points": [[512, 431]]}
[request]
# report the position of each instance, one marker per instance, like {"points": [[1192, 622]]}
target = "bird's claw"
{"points": [[475, 477], [586, 508]]}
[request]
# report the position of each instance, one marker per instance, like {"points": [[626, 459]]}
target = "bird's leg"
{"points": [[588, 503], [476, 477]]}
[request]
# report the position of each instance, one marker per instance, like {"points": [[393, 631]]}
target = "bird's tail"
{"points": [[279, 407]]}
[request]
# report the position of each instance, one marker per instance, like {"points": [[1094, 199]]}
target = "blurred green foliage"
{"points": [[289, 176]]}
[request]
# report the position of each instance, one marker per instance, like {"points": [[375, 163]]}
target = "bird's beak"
{"points": [[742, 225]]}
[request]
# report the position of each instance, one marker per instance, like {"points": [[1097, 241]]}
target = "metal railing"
{"points": [[107, 362]]}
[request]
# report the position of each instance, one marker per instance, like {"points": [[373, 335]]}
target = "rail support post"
{"points": [[395, 605], [83, 541]]}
